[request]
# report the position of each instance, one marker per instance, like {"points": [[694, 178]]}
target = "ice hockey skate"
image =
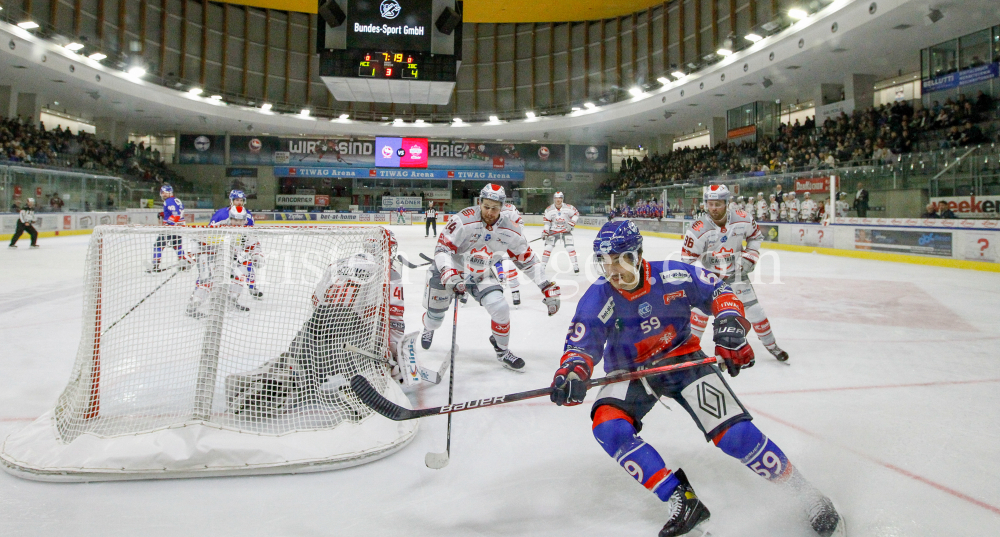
{"points": [[687, 512], [778, 353], [516, 298], [426, 338], [507, 358], [256, 294], [824, 518]]}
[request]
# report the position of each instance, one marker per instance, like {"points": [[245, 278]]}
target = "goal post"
{"points": [[218, 360]]}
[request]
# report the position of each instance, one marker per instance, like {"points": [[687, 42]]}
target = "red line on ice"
{"points": [[847, 388], [884, 464]]}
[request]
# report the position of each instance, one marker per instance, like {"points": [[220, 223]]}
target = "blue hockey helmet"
{"points": [[618, 237], [167, 189], [237, 195]]}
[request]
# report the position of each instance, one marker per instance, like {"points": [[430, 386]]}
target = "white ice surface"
{"points": [[889, 405]]}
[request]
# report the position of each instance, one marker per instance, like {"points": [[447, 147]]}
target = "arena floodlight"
{"points": [[196, 91], [304, 112], [137, 72], [74, 46], [418, 122], [530, 115], [397, 121], [635, 91], [663, 80], [457, 121], [576, 109], [27, 25], [797, 13], [724, 52], [216, 97], [344, 117], [590, 106], [266, 107], [97, 56], [753, 38], [678, 74], [494, 119]]}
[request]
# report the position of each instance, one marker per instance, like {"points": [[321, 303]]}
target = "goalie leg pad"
{"points": [[436, 298], [263, 393]]}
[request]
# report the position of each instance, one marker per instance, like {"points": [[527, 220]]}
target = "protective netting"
{"points": [[224, 329]]}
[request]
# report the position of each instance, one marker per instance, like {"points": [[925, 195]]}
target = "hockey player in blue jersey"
{"points": [[247, 257], [638, 316], [172, 215]]}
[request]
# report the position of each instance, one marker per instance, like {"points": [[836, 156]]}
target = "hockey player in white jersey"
{"points": [[809, 208], [842, 205], [506, 269], [783, 208], [463, 262], [773, 208], [560, 219], [716, 242], [761, 207], [793, 208]]}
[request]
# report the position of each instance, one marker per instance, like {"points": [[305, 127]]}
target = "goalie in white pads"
{"points": [[560, 219], [463, 262], [247, 257], [716, 242]]}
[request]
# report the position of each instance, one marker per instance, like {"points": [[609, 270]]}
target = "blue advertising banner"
{"points": [[374, 173], [962, 78], [904, 242]]}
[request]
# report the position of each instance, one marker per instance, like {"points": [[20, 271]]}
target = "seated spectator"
{"points": [[56, 203], [944, 210], [929, 211]]}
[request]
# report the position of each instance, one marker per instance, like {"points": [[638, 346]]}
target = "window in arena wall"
{"points": [[700, 141], [52, 121], [165, 144]]}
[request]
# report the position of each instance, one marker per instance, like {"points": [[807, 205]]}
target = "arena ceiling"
{"points": [[499, 11]]}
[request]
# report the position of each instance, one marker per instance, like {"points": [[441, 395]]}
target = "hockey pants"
{"points": [[488, 292], [21, 228], [754, 311]]}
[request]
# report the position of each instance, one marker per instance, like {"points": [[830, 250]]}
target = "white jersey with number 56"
{"points": [[719, 250]]}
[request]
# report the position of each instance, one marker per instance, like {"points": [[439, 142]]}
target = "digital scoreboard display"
{"points": [[389, 65], [400, 152]]}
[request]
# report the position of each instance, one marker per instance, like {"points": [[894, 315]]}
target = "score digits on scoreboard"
{"points": [[389, 65]]}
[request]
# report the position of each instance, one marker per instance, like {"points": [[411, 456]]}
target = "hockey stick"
{"points": [[426, 258], [383, 406], [351, 348], [435, 461], [141, 301], [404, 261]]}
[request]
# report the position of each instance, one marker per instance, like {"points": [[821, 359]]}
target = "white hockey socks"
{"points": [[499, 311]]}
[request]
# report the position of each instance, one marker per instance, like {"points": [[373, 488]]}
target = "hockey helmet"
{"points": [[740, 199], [806, 195], [558, 195], [493, 192], [772, 196], [237, 195], [618, 237], [167, 189], [716, 192], [31, 200]]}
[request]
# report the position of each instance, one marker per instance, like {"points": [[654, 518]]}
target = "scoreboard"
{"points": [[389, 65]]}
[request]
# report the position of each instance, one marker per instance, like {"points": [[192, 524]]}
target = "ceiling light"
{"points": [[216, 97], [398, 121], [266, 107], [590, 105], [797, 14], [304, 112], [28, 25], [530, 115], [97, 56], [344, 116], [635, 91], [678, 74], [457, 120], [418, 122], [494, 119], [575, 109], [753, 37], [724, 52], [663, 80], [137, 72], [74, 46], [195, 91]]}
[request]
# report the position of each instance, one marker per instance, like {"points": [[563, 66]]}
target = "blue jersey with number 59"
{"points": [[628, 329]]}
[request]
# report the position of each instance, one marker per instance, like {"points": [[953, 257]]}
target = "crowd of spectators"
{"points": [[941, 209], [25, 143], [870, 136]]}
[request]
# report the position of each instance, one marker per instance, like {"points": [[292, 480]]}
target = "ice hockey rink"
{"points": [[889, 404]]}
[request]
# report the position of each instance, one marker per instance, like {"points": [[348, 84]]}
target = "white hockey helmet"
{"points": [[806, 195], [716, 192], [558, 195], [493, 192], [772, 196]]}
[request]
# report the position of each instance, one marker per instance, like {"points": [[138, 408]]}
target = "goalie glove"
{"points": [[551, 298], [453, 281], [570, 381], [730, 334]]}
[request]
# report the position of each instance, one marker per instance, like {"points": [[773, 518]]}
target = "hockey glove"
{"points": [[453, 281], [747, 264], [570, 382], [731, 343], [551, 298]]}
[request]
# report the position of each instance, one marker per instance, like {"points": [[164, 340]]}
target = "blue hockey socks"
{"points": [[613, 429], [745, 442]]}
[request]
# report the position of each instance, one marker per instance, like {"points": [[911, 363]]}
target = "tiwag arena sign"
{"points": [[972, 206]]}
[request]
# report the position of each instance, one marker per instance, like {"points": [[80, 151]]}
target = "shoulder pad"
{"points": [[468, 215], [700, 227], [738, 216]]}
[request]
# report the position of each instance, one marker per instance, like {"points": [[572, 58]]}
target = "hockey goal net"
{"points": [[220, 351]]}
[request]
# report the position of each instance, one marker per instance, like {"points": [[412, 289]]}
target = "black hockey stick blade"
{"points": [[404, 261], [383, 406], [425, 258]]}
